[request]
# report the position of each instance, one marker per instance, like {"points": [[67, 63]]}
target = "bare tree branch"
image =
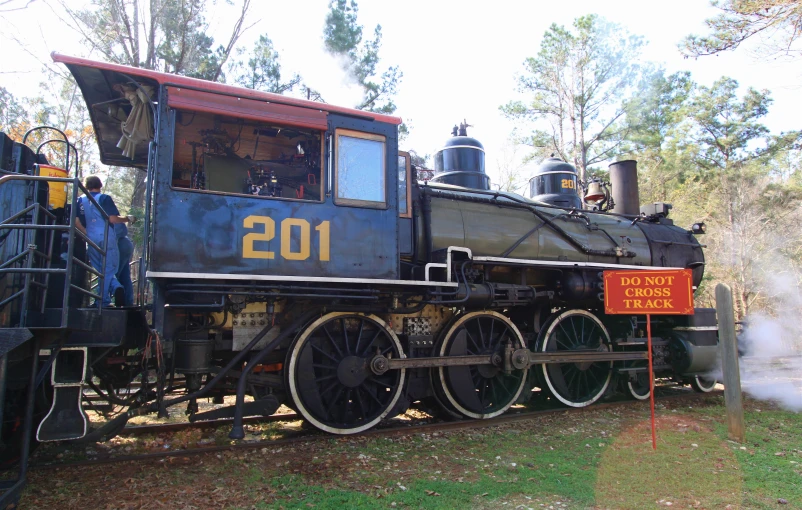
{"points": [[4, 3], [235, 35]]}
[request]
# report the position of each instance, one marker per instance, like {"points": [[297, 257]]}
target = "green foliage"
{"points": [[263, 70], [167, 35], [58, 104], [12, 112], [707, 151], [728, 127], [657, 109], [185, 48], [342, 37], [740, 20], [656, 116], [342, 34], [418, 160], [576, 84]]}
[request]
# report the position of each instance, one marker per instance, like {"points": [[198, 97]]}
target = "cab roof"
{"points": [[98, 79]]}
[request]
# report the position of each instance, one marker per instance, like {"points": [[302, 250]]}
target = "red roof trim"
{"points": [[183, 81], [246, 108]]}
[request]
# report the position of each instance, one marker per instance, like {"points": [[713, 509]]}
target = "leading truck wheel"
{"points": [[576, 384], [479, 391], [638, 387], [329, 374], [703, 384]]}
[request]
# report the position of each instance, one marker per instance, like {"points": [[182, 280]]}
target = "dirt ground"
{"points": [[599, 459]]}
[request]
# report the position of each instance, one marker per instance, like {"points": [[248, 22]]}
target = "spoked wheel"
{"points": [[329, 373], [576, 384], [479, 391], [637, 385], [703, 384]]}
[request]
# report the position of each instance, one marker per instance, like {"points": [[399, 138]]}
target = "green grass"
{"points": [[772, 461], [599, 459]]}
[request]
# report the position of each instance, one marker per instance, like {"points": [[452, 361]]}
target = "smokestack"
{"points": [[624, 181]]}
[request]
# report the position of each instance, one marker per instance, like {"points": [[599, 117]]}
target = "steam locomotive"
{"points": [[290, 254]]}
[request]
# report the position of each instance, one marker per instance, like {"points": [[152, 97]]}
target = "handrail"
{"points": [[67, 164], [66, 140], [44, 220], [26, 211]]}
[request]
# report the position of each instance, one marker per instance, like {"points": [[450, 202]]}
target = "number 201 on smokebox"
{"points": [[288, 227]]}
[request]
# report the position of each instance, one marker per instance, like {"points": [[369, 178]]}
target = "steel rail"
{"points": [[139, 430]]}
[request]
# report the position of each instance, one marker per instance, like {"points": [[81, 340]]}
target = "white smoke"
{"points": [[328, 76], [771, 365], [302, 51]]}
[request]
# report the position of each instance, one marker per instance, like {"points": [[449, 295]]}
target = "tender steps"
{"points": [[66, 419]]}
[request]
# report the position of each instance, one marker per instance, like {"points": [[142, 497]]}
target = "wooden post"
{"points": [[728, 346]]}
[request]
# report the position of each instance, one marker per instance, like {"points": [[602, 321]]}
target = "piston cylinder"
{"points": [[690, 359]]}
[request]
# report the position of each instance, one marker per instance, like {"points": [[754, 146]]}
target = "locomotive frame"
{"points": [[300, 262]]}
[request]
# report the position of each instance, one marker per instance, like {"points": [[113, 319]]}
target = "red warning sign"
{"points": [[660, 292]]}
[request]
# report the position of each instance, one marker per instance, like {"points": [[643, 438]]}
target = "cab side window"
{"points": [[221, 154], [360, 169]]}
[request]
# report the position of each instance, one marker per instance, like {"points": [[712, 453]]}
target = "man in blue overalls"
{"points": [[126, 249], [91, 222]]}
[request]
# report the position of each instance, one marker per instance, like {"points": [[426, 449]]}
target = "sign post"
{"points": [[651, 377], [647, 292]]}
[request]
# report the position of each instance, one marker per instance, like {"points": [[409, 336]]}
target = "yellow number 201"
{"points": [[286, 236], [248, 251], [287, 226]]}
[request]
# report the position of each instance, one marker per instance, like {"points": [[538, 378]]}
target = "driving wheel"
{"points": [[579, 331], [480, 391], [329, 374]]}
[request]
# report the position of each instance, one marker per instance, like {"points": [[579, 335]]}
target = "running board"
{"points": [[66, 419]]}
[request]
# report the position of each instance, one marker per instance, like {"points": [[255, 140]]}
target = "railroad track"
{"points": [[138, 430], [315, 435]]}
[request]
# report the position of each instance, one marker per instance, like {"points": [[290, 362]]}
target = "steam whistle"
{"points": [[462, 129]]}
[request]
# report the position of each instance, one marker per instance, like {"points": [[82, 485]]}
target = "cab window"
{"points": [[359, 161], [221, 154]]}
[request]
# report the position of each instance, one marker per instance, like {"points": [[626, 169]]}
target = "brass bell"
{"points": [[595, 193]]}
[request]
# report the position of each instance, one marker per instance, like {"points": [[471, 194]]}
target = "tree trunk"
{"points": [[138, 196]]}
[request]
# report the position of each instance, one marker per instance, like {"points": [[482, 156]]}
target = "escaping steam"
{"points": [[771, 364], [771, 369], [327, 74], [330, 78]]}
